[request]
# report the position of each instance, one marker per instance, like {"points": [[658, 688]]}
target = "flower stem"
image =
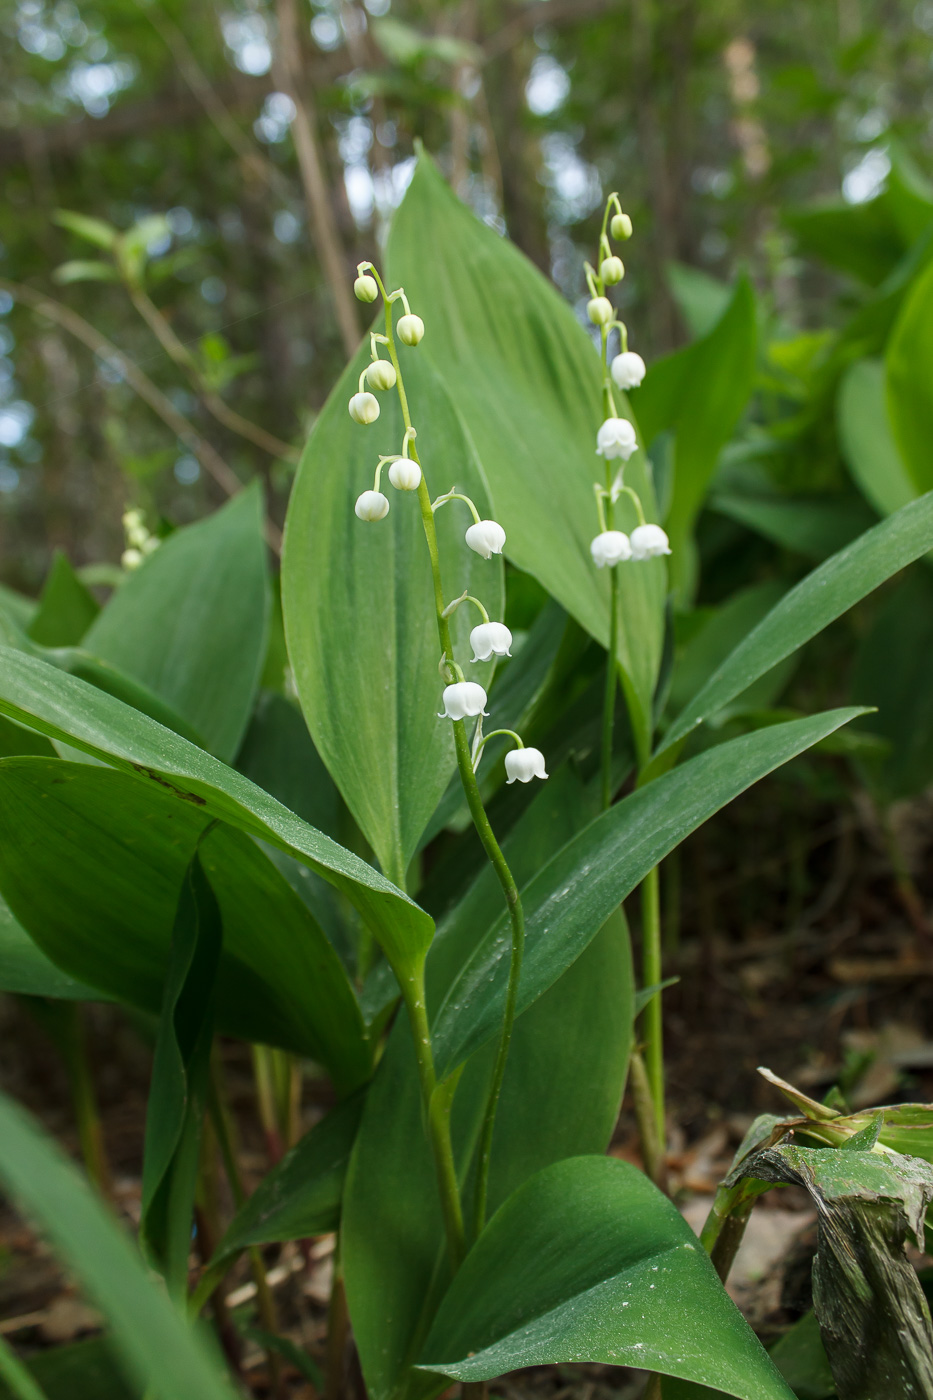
{"points": [[612, 658], [652, 1021], [480, 821]]}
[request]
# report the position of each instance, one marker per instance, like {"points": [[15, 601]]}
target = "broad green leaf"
{"points": [[909, 383], [280, 980], [300, 1196], [563, 1083], [84, 270], [156, 1347], [15, 739], [66, 608], [588, 1261], [817, 600], [699, 393], [65, 708], [526, 382], [96, 231], [25, 969], [801, 1359], [12, 1371], [84, 1370], [701, 299], [190, 623], [709, 646], [874, 1319], [868, 240], [17, 606], [894, 672], [180, 1073], [866, 440], [359, 606], [816, 526], [570, 898]]}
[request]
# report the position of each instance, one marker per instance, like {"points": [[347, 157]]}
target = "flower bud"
{"points": [[612, 270], [616, 438], [405, 475], [521, 765], [364, 408], [131, 558], [611, 547], [648, 541], [490, 639], [365, 288], [600, 311], [410, 329], [486, 537], [627, 370], [462, 700], [381, 374], [621, 227], [372, 505]]}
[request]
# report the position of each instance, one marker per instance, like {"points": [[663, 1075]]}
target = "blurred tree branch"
{"points": [[187, 434]]}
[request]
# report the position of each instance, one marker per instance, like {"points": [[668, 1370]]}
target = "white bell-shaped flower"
{"points": [[648, 541], [600, 311], [462, 700], [490, 639], [364, 408], [627, 370], [372, 505], [410, 329], [616, 438], [486, 537], [521, 765], [405, 475], [381, 374], [365, 288], [611, 547]]}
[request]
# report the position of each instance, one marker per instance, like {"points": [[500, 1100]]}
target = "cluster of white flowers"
{"points": [[616, 437], [462, 699], [139, 542]]}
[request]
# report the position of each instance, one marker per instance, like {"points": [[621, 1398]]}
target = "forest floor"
{"points": [[796, 949]]}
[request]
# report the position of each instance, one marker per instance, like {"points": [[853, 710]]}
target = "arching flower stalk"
{"points": [[462, 700]]}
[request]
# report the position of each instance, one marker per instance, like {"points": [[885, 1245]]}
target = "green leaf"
{"points": [[26, 970], [280, 980], [95, 231], [180, 1073], [701, 299], [526, 382], [874, 1320], [724, 628], [301, 1195], [866, 440], [84, 1370], [68, 709], [17, 606], [588, 1261], [909, 388], [816, 601], [861, 239], [85, 271], [816, 526], [570, 898], [359, 607], [66, 608], [155, 1345], [801, 1359], [563, 1083], [190, 623], [699, 394], [894, 672]]}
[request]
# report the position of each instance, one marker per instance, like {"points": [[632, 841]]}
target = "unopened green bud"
{"points": [[621, 227], [410, 329], [600, 311], [611, 270], [381, 375], [365, 288]]}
